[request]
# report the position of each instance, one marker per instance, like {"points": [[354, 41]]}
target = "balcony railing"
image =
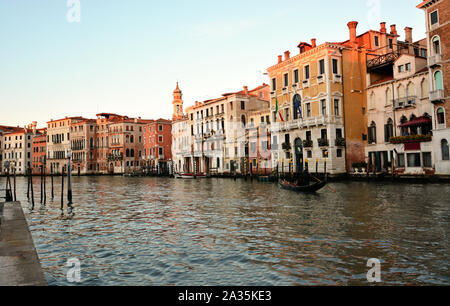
{"points": [[437, 96], [382, 60], [323, 142], [410, 139], [286, 146], [340, 142], [405, 102], [307, 143], [115, 157]]}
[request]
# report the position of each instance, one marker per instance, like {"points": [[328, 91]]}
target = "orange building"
{"points": [[39, 151], [158, 144]]}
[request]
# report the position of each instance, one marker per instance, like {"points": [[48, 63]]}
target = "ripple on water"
{"points": [[147, 231]]}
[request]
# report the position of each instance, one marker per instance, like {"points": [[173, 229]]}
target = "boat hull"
{"points": [[190, 176], [305, 189]]}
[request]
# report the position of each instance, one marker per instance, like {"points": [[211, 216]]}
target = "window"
{"points": [[426, 156], [401, 68], [308, 110], [308, 135], [390, 43], [339, 152], [339, 133], [336, 107], [444, 149], [309, 153], [413, 159], [323, 106], [388, 130], [436, 45], [275, 142], [274, 85], [335, 66], [242, 105], [434, 18], [160, 139], [408, 67], [321, 66], [377, 43], [307, 72], [401, 160], [372, 133], [296, 78], [323, 134], [296, 106], [440, 116], [438, 80], [286, 80]]}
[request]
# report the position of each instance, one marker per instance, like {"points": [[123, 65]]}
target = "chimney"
{"points": [[352, 28], [383, 27], [246, 90], [287, 55], [280, 59], [313, 42], [408, 35], [393, 29]]}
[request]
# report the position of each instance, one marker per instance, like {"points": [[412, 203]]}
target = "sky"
{"points": [[125, 57]]}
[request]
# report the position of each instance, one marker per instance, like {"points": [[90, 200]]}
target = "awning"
{"points": [[416, 122]]}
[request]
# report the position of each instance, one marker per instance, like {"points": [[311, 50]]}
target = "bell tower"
{"points": [[177, 104]]}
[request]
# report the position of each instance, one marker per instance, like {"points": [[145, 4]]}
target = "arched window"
{"points": [[132, 153], [372, 133], [436, 45], [424, 88], [440, 116], [243, 120], [444, 147], [372, 100], [297, 106], [404, 130], [410, 90], [401, 91], [438, 85], [127, 153], [388, 130], [388, 96]]}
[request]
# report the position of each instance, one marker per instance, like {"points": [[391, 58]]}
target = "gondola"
{"points": [[306, 189], [190, 175]]}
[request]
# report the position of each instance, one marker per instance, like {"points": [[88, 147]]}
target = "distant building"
{"points": [[39, 151], [158, 144], [17, 148], [437, 15]]}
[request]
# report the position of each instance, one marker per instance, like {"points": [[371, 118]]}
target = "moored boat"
{"points": [[306, 189], [190, 175]]}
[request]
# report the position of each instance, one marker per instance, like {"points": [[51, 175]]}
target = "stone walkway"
{"points": [[19, 262]]}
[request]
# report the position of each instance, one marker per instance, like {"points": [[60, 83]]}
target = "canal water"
{"points": [[159, 231]]}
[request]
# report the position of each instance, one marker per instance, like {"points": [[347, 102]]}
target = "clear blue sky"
{"points": [[126, 56]]}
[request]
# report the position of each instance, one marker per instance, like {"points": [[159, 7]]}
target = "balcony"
{"points": [[323, 142], [286, 146], [435, 60], [340, 142], [437, 96], [115, 157], [308, 143], [405, 102], [410, 139]]}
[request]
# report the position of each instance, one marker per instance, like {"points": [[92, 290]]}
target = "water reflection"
{"points": [[147, 231]]}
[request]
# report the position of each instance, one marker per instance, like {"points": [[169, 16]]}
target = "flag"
{"points": [[297, 105], [278, 112]]}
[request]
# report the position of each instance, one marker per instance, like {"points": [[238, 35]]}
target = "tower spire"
{"points": [[177, 103]]}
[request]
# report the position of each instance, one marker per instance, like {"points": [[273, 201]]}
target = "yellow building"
{"points": [[307, 107]]}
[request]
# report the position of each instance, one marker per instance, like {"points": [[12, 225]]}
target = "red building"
{"points": [[39, 151], [158, 144]]}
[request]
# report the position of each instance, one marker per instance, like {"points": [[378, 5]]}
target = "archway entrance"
{"points": [[299, 155]]}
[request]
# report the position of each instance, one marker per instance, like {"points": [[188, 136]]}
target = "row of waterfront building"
{"points": [[373, 101]]}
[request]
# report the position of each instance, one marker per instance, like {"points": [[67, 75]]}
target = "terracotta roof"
{"points": [[382, 80]]}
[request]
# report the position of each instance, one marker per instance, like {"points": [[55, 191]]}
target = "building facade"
{"points": [[158, 144], [39, 151], [437, 16], [307, 108], [17, 148]]}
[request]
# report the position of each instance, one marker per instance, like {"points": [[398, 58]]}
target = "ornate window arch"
{"points": [[438, 83], [440, 115], [436, 45]]}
